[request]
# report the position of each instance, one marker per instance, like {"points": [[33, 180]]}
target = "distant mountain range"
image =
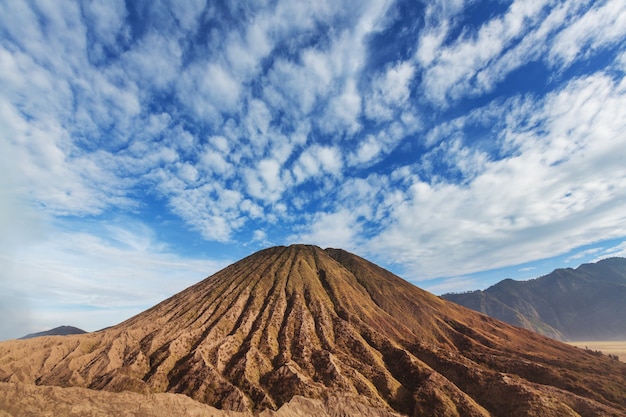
{"points": [[586, 303], [57, 331]]}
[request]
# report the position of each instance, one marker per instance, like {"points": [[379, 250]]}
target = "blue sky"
{"points": [[146, 145]]}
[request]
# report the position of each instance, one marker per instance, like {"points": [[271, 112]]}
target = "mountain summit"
{"points": [[57, 331], [299, 321]]}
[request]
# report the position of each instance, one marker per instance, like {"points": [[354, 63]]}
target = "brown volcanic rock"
{"points": [[302, 321]]}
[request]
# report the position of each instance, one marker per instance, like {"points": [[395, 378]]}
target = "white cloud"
{"points": [[343, 112], [198, 103], [337, 229], [96, 278], [211, 209], [215, 162], [65, 185], [155, 62], [368, 150], [54, 103], [254, 210], [244, 52], [327, 76], [531, 47], [528, 32], [187, 172], [106, 21], [603, 24], [248, 124], [31, 34], [562, 189], [583, 254], [288, 88], [390, 92], [306, 167], [449, 74], [330, 159], [257, 124], [259, 236], [615, 251], [84, 99], [220, 143], [456, 284], [220, 86], [267, 181], [439, 17], [373, 147], [430, 42], [21, 225], [318, 160], [188, 13]]}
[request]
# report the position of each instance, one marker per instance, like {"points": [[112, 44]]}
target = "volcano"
{"points": [[291, 324]]}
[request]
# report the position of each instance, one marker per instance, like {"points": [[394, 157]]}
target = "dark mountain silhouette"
{"points": [[586, 303], [57, 331], [294, 324]]}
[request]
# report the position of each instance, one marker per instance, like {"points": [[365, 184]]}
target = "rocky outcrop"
{"points": [[302, 322]]}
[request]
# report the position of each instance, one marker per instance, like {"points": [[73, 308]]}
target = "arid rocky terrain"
{"points": [[300, 328]]}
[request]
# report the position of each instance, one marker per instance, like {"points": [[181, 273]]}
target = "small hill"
{"points": [[586, 303], [57, 331], [305, 330]]}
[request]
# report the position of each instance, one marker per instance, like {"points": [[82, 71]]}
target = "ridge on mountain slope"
{"points": [[586, 303], [302, 321]]}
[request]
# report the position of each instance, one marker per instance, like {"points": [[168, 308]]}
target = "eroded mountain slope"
{"points": [[301, 321]]}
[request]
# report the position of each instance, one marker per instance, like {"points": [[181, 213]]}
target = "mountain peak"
{"points": [[57, 331], [303, 321]]}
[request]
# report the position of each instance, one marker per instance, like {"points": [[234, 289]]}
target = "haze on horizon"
{"points": [[145, 145]]}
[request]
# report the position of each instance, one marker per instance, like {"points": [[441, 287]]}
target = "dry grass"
{"points": [[608, 348]]}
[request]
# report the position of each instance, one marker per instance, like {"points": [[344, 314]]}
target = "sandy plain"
{"points": [[607, 347]]}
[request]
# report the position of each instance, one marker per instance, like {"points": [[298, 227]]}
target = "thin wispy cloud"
{"points": [[111, 272], [437, 138]]}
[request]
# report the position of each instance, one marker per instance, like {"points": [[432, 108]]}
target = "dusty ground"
{"points": [[607, 347], [24, 400]]}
